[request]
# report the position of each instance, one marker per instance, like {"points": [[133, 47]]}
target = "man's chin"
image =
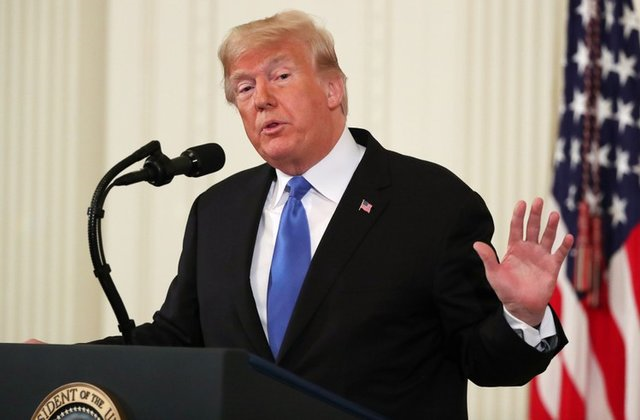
{"points": [[286, 165], [277, 153]]}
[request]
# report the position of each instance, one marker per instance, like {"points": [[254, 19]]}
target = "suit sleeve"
{"points": [[477, 335]]}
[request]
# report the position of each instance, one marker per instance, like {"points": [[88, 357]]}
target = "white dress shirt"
{"points": [[329, 179]]}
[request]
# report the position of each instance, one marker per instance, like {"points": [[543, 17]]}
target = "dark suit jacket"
{"points": [[395, 312]]}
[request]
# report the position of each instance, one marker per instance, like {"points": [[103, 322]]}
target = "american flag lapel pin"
{"points": [[365, 206]]}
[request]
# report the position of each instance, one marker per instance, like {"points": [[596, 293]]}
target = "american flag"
{"points": [[597, 192], [365, 206]]}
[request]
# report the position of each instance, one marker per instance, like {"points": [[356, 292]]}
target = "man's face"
{"points": [[290, 113]]}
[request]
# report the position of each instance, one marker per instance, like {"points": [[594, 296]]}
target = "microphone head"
{"points": [[205, 159]]}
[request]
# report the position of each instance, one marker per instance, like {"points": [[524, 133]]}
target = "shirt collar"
{"points": [[332, 174]]}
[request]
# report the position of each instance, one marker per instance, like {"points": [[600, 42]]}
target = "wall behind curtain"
{"points": [[473, 85]]}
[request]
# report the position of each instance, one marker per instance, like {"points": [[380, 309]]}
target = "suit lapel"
{"points": [[247, 215], [347, 229]]}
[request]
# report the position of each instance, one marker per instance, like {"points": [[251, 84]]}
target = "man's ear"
{"points": [[335, 91]]}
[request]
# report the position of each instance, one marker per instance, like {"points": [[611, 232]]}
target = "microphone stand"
{"points": [[95, 212]]}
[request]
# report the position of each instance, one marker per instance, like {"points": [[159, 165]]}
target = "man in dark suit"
{"points": [[391, 296]]}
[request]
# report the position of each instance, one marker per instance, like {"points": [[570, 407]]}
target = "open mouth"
{"points": [[272, 127]]}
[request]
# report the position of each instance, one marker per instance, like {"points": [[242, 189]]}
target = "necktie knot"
{"points": [[298, 187]]}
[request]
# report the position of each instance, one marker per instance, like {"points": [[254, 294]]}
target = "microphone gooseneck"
{"points": [[158, 170]]}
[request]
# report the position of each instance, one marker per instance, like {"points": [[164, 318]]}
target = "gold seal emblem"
{"points": [[78, 401]]}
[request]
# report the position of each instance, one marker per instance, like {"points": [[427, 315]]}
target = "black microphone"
{"points": [[159, 170]]}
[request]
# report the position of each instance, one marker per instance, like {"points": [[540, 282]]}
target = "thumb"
{"points": [[487, 255]]}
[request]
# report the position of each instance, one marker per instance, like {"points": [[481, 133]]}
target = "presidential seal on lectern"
{"points": [[77, 401]]}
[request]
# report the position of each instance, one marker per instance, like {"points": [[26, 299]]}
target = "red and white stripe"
{"points": [[597, 375]]}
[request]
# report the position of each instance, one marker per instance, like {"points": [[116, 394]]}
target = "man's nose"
{"points": [[263, 96]]}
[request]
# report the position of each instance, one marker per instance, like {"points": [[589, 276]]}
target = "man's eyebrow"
{"points": [[238, 75], [277, 60]]}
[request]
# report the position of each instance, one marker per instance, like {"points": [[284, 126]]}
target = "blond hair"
{"points": [[291, 24]]}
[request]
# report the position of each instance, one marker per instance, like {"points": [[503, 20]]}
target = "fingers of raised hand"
{"points": [[549, 235], [564, 248], [533, 223], [548, 238], [517, 222]]}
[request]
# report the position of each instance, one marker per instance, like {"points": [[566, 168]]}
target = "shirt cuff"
{"points": [[531, 335]]}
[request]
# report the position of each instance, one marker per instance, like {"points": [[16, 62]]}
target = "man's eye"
{"points": [[284, 76], [244, 88]]}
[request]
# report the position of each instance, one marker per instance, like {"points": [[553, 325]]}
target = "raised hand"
{"points": [[525, 279]]}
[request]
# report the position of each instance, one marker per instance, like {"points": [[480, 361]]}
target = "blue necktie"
{"points": [[290, 263]]}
